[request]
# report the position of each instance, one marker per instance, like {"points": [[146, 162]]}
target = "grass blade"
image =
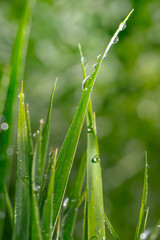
{"points": [[16, 75], [110, 227], [48, 204], [46, 132], [70, 218], [94, 199], [21, 211], [144, 209], [96, 227], [67, 152], [9, 206]]}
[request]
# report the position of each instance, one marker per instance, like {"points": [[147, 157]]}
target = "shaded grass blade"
{"points": [[9, 206], [48, 204], [21, 211], [144, 209], [67, 152], [70, 218], [46, 134], [16, 75], [110, 227]]}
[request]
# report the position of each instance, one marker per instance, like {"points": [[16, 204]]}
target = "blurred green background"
{"points": [[126, 95]]}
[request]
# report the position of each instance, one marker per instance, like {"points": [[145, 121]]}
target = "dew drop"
{"points": [[122, 26], [90, 129], [34, 135], [148, 166], [143, 236], [36, 187], [10, 151], [99, 57], [65, 202], [95, 65], [96, 159], [116, 40], [4, 126], [84, 61], [85, 83]]}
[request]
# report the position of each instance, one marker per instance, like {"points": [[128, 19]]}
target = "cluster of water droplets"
{"points": [[96, 159]]}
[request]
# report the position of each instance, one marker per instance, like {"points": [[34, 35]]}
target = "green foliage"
{"points": [[42, 178]]}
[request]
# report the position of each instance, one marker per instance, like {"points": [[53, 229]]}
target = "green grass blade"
{"points": [[9, 206], [46, 133], [67, 152], [35, 219], [110, 227], [48, 204], [16, 75], [30, 139], [96, 227], [144, 209], [85, 222], [21, 211], [70, 218]]}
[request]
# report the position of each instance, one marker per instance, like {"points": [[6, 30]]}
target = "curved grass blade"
{"points": [[144, 209], [9, 206], [48, 204], [110, 227], [67, 152], [21, 211], [70, 216], [16, 75]]}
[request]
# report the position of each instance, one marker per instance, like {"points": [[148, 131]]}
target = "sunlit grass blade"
{"points": [[46, 133], [94, 199], [16, 75], [30, 139], [67, 152], [144, 209], [110, 227], [47, 218], [21, 211], [70, 218], [96, 227], [9, 206]]}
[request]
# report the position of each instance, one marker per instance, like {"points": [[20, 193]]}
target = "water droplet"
{"points": [[85, 82], [148, 166], [34, 135], [122, 26], [84, 61], [19, 96], [99, 57], [37, 132], [10, 151], [96, 159], [142, 236], [93, 238], [4, 126], [36, 187], [90, 129], [116, 40], [95, 65], [65, 202]]}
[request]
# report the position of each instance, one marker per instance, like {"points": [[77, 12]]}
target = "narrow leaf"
{"points": [[144, 209], [70, 216], [48, 204], [66, 155], [16, 75], [9, 206], [110, 227], [21, 211]]}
